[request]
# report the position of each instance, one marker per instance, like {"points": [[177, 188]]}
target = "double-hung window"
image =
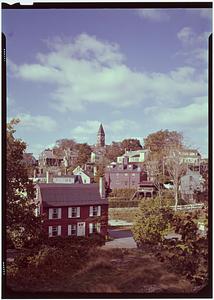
{"points": [[73, 212], [94, 228], [72, 229], [95, 211], [54, 230], [54, 213]]}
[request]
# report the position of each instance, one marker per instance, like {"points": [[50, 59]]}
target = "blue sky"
{"points": [[136, 71]]}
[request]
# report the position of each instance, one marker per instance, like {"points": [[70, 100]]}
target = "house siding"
{"points": [[119, 180], [84, 217]]}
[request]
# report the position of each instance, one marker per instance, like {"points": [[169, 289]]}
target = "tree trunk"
{"points": [[176, 198]]}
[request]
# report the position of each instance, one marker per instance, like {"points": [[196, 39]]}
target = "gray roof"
{"points": [[58, 195]]}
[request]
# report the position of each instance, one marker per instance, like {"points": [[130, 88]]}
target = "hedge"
{"points": [[122, 202]]}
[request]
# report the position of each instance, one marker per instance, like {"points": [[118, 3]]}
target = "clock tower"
{"points": [[101, 137]]}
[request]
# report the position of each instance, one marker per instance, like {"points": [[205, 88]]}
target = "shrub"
{"points": [[125, 193], [189, 256], [122, 202], [152, 222]]}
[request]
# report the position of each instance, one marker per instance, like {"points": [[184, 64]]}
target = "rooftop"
{"points": [[58, 195]]}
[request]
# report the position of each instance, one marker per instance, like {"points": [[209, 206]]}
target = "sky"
{"points": [[136, 71]]}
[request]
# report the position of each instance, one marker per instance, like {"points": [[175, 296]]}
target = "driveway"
{"points": [[122, 239], [116, 234]]}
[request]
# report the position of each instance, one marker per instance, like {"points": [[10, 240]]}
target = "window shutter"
{"points": [[69, 212], [59, 230], [50, 213], [59, 213], [91, 211], [78, 212], [98, 227], [90, 227], [50, 230], [99, 211], [69, 229]]}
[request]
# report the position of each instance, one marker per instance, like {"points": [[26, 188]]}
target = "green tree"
{"points": [[84, 153], [152, 222], [22, 226]]}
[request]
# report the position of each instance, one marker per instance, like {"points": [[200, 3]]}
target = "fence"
{"points": [[189, 206]]}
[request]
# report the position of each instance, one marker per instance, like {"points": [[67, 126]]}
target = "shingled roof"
{"points": [[58, 195]]}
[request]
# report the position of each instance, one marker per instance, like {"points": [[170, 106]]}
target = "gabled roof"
{"points": [[58, 195]]}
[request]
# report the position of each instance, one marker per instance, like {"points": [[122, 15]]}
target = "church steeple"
{"points": [[101, 137]]}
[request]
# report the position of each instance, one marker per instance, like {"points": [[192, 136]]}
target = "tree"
{"points": [[152, 222], [160, 144], [175, 169], [100, 172], [118, 148], [114, 150], [161, 141], [63, 147], [21, 223], [84, 153], [131, 144]]}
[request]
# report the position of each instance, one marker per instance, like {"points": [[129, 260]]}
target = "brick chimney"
{"points": [[102, 188]]}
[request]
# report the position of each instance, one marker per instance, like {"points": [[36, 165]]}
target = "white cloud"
{"points": [[115, 129], [122, 125], [29, 122], [87, 71], [194, 114], [87, 127], [156, 15], [36, 149], [189, 38], [185, 35], [194, 47]]}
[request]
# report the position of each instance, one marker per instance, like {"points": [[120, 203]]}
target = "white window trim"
{"points": [[70, 212], [50, 213], [97, 226], [91, 212], [50, 230], [69, 230]]}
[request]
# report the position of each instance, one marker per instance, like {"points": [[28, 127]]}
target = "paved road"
{"points": [[122, 239], [116, 234]]}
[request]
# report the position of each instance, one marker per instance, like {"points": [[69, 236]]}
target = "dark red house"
{"points": [[76, 209], [124, 176]]}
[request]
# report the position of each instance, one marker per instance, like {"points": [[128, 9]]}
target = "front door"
{"points": [[81, 229]]}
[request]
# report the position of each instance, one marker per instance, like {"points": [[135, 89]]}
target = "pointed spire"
{"points": [[101, 130], [101, 136]]}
